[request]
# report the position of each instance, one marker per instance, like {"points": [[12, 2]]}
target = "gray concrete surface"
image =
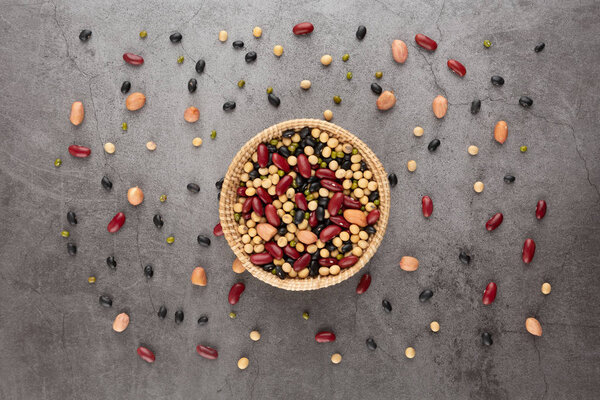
{"points": [[57, 342]]}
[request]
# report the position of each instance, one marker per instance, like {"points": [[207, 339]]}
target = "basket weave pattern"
{"points": [[229, 195]]}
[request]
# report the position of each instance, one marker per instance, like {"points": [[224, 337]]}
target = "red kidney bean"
{"points": [[241, 191], [489, 294], [271, 215], [283, 185], [207, 352], [133, 59], [339, 220], [427, 206], [494, 222], [325, 173], [457, 67], [335, 203], [236, 291], [425, 42], [326, 262], [263, 155], [280, 162], [79, 151], [261, 258], [116, 223], [246, 216], [303, 28], [302, 262], [218, 230], [349, 202], [348, 261], [146, 354], [540, 209], [247, 205], [363, 284], [528, 250], [274, 250], [312, 220], [329, 232], [301, 202], [331, 185], [257, 206], [304, 167], [264, 195], [325, 337], [291, 252], [373, 217]]}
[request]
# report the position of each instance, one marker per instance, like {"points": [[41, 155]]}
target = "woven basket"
{"points": [[232, 180]]}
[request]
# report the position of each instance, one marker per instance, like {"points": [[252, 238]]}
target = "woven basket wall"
{"points": [[232, 180]]}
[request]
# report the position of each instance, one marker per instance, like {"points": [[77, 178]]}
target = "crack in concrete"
{"points": [[435, 79], [437, 26], [64, 36]]}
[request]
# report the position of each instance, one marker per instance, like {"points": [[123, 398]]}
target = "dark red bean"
{"points": [[326, 262], [339, 220], [363, 284], [329, 233], [427, 206], [116, 223], [304, 167], [241, 191], [283, 185], [236, 291], [331, 185], [133, 59], [348, 261], [79, 151], [301, 202], [325, 173], [489, 294], [263, 155], [540, 209], [207, 352], [271, 215], [373, 217], [261, 258], [146, 354], [349, 202], [335, 203], [494, 222], [303, 28], [247, 205], [264, 195], [425, 42], [302, 262], [457, 67], [257, 206], [274, 250], [312, 220], [218, 230], [528, 250], [325, 337], [291, 252], [280, 162]]}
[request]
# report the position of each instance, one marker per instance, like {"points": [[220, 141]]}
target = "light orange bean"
{"points": [[501, 132], [440, 106], [77, 113], [399, 51]]}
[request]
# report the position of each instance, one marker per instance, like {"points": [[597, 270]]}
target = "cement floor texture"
{"points": [[57, 341]]}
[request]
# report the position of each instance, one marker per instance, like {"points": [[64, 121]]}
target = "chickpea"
{"points": [[259, 248], [293, 274], [303, 225], [244, 177], [246, 239], [255, 217], [286, 141], [238, 207], [292, 228], [286, 267], [354, 238], [363, 244], [248, 167], [300, 247], [278, 262], [283, 198], [273, 169], [357, 251], [309, 150], [292, 160], [358, 193], [347, 184], [257, 240], [357, 175], [277, 204], [272, 190], [370, 207], [263, 171], [333, 165], [312, 205], [345, 235], [287, 219], [323, 192], [296, 138], [368, 174], [313, 160], [242, 229], [257, 182], [363, 235], [252, 232], [290, 236], [323, 137], [303, 273], [324, 271], [340, 173], [332, 142], [324, 253], [312, 248], [326, 152], [315, 132], [334, 269], [362, 183], [320, 244], [337, 242], [288, 205], [363, 200], [349, 174], [250, 191], [355, 167], [282, 242], [356, 158], [347, 148]]}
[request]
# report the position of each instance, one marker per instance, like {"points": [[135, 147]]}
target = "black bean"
{"points": [[370, 230], [497, 80], [175, 37], [192, 85], [363, 166], [387, 306], [284, 151], [72, 218], [373, 196], [280, 272], [271, 148], [313, 179], [162, 312], [323, 201], [393, 179], [298, 217], [193, 187], [274, 100], [148, 271], [269, 267], [238, 44], [219, 196], [304, 132], [105, 301], [320, 213], [125, 86], [200, 66], [106, 183], [203, 320], [71, 249], [203, 241], [318, 230], [219, 183], [178, 316], [229, 106], [425, 295], [525, 101], [319, 148], [84, 35], [475, 106], [158, 221], [539, 47], [486, 339], [346, 248], [253, 174], [250, 56], [433, 145], [464, 258], [361, 32], [375, 88], [509, 179], [371, 345], [282, 230], [289, 133], [314, 187], [110, 261]]}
